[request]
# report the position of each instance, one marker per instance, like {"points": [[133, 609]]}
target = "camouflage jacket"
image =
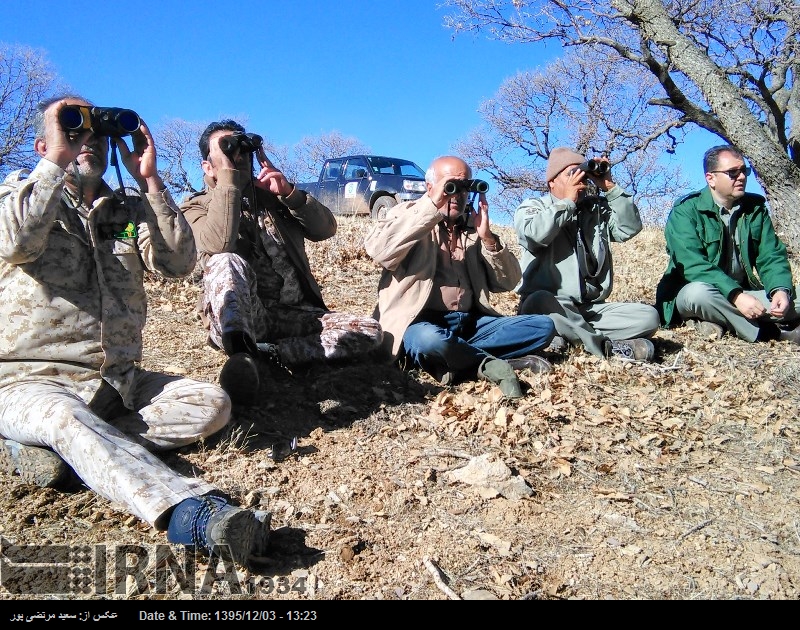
{"points": [[72, 298], [220, 225]]}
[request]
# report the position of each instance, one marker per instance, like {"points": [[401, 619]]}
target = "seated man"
{"points": [[727, 269], [440, 262], [568, 272], [260, 298], [72, 261]]}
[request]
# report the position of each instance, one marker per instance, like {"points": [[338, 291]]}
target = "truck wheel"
{"points": [[381, 206]]}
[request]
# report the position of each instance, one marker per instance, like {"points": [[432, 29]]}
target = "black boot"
{"points": [[239, 378]]}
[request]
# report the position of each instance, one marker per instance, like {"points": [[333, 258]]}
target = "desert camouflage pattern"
{"points": [[109, 446], [72, 310], [302, 332], [72, 299]]}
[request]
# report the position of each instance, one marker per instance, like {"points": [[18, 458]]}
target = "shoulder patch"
{"points": [[130, 231]]}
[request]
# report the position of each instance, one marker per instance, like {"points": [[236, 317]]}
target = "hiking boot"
{"points": [[211, 524], [532, 362], [709, 330], [239, 379], [557, 346], [33, 464], [631, 349], [501, 374], [238, 534]]}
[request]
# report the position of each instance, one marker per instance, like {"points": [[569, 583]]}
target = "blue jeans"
{"points": [[440, 342]]}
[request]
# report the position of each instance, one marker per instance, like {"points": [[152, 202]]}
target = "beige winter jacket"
{"points": [[404, 244]]}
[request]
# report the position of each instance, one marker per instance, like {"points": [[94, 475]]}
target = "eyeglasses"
{"points": [[734, 173]]}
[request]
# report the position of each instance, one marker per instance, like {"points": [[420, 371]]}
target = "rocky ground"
{"points": [[678, 479]]}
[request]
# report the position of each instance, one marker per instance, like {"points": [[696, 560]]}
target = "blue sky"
{"points": [[387, 72]]}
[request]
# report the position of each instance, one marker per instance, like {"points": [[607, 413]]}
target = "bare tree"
{"points": [[312, 151], [179, 155], [730, 68], [180, 161], [26, 78], [575, 101]]}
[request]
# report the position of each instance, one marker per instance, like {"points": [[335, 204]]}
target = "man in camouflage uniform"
{"points": [[72, 261], [260, 297]]}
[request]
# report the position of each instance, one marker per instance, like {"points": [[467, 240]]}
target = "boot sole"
{"points": [[240, 380], [33, 464]]}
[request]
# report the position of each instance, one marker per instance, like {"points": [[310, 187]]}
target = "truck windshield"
{"points": [[393, 166]]}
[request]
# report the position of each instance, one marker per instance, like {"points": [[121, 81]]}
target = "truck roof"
{"points": [[385, 164], [370, 155]]}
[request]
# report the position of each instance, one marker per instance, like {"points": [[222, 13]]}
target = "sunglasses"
{"points": [[734, 173]]}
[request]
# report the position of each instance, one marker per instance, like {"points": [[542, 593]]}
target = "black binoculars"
{"points": [[594, 167], [113, 122], [245, 142], [465, 185]]}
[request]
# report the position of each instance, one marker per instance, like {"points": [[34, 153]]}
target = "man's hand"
{"points": [[604, 182], [780, 303], [749, 306], [482, 228], [436, 193], [574, 184], [142, 161], [271, 178], [60, 147], [219, 158]]}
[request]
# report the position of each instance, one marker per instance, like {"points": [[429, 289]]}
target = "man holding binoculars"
{"points": [[568, 272], [73, 254], [440, 263], [260, 299]]}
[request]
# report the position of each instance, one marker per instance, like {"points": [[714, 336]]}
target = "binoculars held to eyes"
{"points": [[594, 167], [113, 122], [245, 142], [465, 185]]}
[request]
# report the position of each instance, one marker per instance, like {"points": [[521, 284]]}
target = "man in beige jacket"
{"points": [[441, 263]]}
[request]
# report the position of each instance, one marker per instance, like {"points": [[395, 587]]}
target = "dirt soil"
{"points": [[678, 479]]}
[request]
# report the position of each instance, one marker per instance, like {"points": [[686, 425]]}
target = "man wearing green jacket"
{"points": [[727, 270]]}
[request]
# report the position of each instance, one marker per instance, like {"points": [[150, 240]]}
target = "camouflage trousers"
{"points": [[109, 446], [303, 334]]}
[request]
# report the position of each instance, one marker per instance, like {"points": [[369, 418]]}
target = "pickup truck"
{"points": [[366, 184]]}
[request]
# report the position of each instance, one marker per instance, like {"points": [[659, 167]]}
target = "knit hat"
{"points": [[560, 158]]}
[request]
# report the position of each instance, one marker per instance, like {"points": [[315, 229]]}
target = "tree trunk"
{"points": [[776, 172]]}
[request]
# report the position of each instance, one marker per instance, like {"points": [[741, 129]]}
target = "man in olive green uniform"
{"points": [[727, 270]]}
